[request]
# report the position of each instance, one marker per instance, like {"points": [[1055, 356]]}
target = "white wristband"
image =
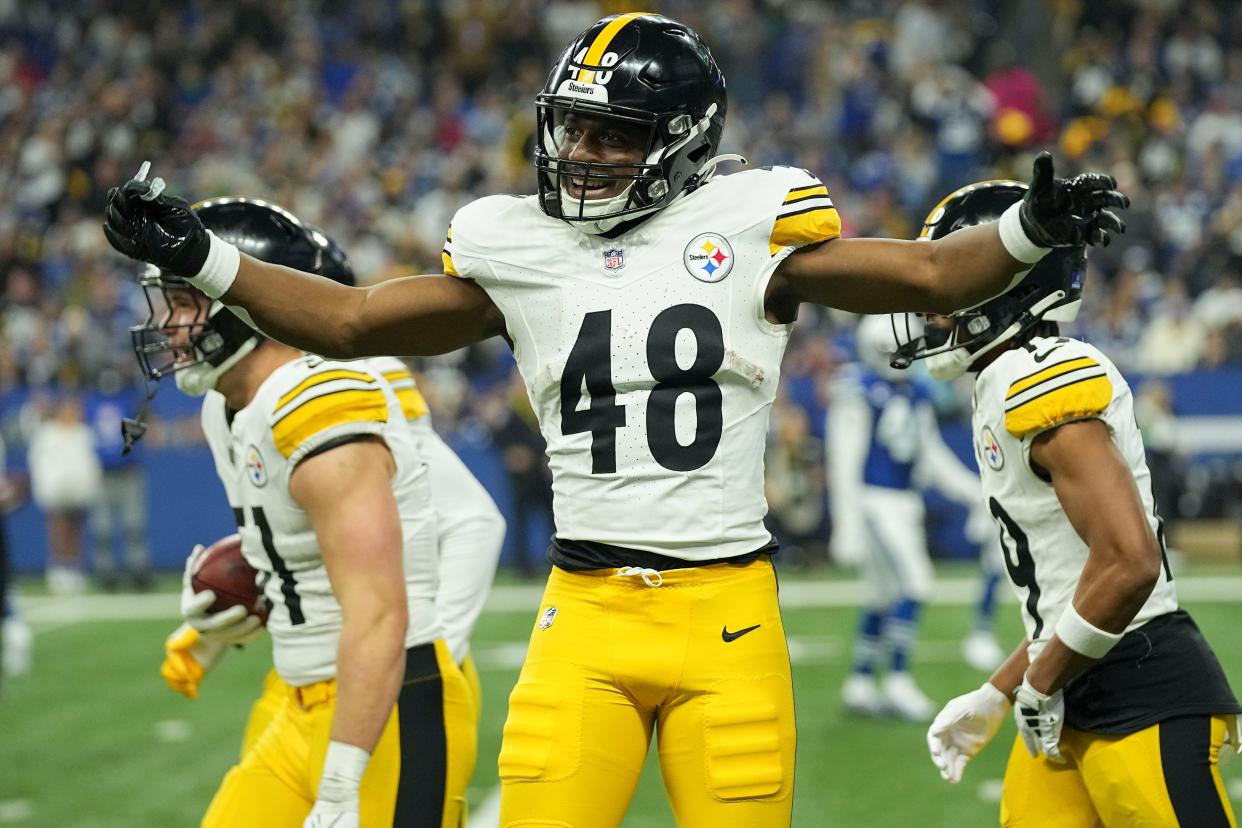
{"points": [[343, 766], [1015, 239], [219, 270], [1082, 636]]}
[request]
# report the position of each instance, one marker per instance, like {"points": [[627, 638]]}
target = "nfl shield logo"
{"points": [[614, 259], [545, 620]]}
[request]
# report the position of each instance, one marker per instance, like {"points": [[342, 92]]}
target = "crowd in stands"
{"points": [[378, 119]]}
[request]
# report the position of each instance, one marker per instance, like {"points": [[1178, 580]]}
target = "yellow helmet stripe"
{"points": [[596, 53], [933, 218]]}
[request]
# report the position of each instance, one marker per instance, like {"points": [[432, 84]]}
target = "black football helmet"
{"points": [[642, 69], [1050, 291], [219, 337]]}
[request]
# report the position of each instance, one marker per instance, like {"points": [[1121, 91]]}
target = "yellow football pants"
{"points": [[276, 691], [701, 658], [1160, 777], [418, 771]]}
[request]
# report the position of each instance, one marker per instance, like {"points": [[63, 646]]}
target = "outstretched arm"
{"points": [[960, 270], [412, 316], [405, 317]]}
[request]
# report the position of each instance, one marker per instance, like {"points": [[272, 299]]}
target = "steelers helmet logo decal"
{"points": [[709, 257], [990, 449]]}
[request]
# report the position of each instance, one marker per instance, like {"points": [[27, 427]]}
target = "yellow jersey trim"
{"points": [[317, 379], [334, 409], [1087, 397], [1051, 372], [816, 224]]}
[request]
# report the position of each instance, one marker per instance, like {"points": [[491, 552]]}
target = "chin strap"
{"points": [[709, 166], [132, 428]]}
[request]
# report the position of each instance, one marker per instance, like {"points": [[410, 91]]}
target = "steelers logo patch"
{"points": [[256, 469], [709, 257], [990, 449]]}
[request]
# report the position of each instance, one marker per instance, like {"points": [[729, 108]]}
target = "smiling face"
{"points": [[588, 139]]}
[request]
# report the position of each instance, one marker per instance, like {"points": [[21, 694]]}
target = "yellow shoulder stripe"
{"points": [[449, 268], [1087, 397], [413, 403], [317, 379], [809, 191], [814, 225], [322, 413], [1051, 372]]}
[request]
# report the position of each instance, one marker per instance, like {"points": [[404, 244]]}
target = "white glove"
{"points": [[963, 727], [333, 815], [234, 625], [337, 804], [1040, 718]]}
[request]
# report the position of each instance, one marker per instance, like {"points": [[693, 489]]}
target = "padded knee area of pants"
{"points": [[543, 733], [744, 727]]}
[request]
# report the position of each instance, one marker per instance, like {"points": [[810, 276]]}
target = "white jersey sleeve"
{"points": [[307, 406], [1025, 392], [648, 357]]}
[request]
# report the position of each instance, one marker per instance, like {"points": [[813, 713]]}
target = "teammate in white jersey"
{"points": [[1121, 705], [469, 527], [648, 304], [372, 718]]}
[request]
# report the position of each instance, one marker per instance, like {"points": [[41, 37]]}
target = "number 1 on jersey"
{"points": [[590, 365]]}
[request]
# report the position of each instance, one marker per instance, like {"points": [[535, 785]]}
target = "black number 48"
{"points": [[590, 365]]}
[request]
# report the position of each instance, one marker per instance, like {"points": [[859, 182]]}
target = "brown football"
{"points": [[224, 570]]}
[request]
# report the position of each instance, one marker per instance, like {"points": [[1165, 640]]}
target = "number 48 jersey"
{"points": [[1023, 393], [648, 358], [306, 406]]}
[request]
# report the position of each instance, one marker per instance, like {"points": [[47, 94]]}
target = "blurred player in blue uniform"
{"points": [[884, 445]]}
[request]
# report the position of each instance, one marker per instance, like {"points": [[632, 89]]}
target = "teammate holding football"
{"points": [[469, 528], [1121, 705], [648, 303], [375, 723]]}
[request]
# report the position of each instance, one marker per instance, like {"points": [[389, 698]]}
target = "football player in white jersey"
{"points": [[648, 304], [1121, 705], [884, 446], [374, 722], [469, 528]]}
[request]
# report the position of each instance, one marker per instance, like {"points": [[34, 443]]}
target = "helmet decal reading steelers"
{"points": [[990, 448], [709, 257]]}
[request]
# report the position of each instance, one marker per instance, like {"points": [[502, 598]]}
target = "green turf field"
{"points": [[93, 738]]}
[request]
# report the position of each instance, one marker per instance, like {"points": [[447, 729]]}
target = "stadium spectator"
{"points": [[122, 503], [64, 479]]}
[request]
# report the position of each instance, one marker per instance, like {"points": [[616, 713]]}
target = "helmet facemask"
{"points": [[214, 339], [954, 344], [674, 156]]}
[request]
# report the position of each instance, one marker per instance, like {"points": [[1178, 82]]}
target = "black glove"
{"points": [[163, 230], [1068, 213]]}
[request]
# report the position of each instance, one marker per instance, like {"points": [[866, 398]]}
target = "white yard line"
{"points": [[45, 612]]}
